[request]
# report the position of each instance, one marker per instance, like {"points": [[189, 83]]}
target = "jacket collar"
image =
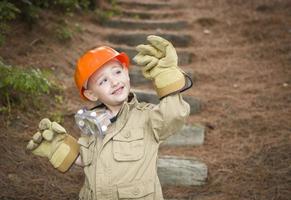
{"points": [[122, 117], [130, 103]]}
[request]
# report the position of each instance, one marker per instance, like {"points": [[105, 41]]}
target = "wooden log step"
{"points": [[150, 96], [146, 5], [133, 39], [181, 171], [146, 24], [151, 14], [189, 136]]}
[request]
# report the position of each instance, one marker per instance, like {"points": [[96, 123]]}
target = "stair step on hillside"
{"points": [[184, 57], [146, 5], [151, 14], [133, 39], [181, 171], [146, 24], [150, 96], [137, 78], [189, 135]]}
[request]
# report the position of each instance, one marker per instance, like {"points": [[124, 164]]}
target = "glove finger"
{"points": [[171, 58], [158, 42], [171, 52], [146, 74], [48, 135], [142, 59], [147, 70], [153, 62], [37, 137], [31, 145], [149, 50], [137, 58], [44, 124], [58, 128]]}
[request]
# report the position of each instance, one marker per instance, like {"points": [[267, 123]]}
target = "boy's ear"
{"points": [[89, 94]]}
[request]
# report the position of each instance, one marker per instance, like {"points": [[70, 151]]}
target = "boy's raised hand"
{"points": [[160, 63], [53, 142]]}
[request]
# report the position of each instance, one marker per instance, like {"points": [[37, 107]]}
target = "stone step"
{"points": [[189, 136], [150, 96], [133, 39], [137, 78], [184, 57], [181, 171], [151, 14], [146, 24], [146, 5]]}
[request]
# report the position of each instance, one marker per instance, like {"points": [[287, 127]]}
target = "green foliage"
{"points": [[102, 16], [28, 10], [73, 4], [57, 116], [136, 16], [64, 33], [112, 2], [30, 14], [21, 86], [59, 99], [2, 39], [8, 12], [28, 81]]}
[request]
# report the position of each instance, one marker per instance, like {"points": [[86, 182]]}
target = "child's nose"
{"points": [[114, 82]]}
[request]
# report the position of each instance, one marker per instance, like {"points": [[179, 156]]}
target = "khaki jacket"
{"points": [[124, 164]]}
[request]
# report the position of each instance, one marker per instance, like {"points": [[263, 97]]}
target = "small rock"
{"points": [[206, 31], [235, 85], [14, 178], [285, 84], [181, 171], [187, 136]]}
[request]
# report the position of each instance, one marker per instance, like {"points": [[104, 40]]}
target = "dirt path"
{"points": [[243, 78], [240, 57]]}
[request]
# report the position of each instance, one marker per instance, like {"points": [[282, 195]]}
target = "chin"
{"points": [[120, 99]]}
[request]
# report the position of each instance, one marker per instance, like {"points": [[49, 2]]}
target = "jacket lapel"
{"points": [[122, 118]]}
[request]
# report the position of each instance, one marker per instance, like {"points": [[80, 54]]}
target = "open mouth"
{"points": [[118, 90]]}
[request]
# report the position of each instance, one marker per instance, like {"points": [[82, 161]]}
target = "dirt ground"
{"points": [[242, 70]]}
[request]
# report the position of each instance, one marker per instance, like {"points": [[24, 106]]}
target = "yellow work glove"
{"points": [[160, 64], [53, 142]]}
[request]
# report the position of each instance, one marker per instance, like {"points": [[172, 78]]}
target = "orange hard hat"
{"points": [[92, 61]]}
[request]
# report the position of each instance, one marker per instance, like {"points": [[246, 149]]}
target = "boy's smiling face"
{"points": [[109, 84]]}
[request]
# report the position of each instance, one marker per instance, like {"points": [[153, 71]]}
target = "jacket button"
{"points": [[136, 191], [127, 135]]}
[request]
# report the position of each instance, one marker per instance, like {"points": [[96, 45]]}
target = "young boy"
{"points": [[121, 164]]}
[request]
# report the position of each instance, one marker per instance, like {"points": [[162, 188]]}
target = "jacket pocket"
{"points": [[129, 145], [87, 149], [137, 190]]}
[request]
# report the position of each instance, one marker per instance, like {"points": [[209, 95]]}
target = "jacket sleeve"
{"points": [[168, 116]]}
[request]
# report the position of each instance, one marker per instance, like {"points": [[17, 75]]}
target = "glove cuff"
{"points": [[171, 88], [180, 85], [65, 155]]}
